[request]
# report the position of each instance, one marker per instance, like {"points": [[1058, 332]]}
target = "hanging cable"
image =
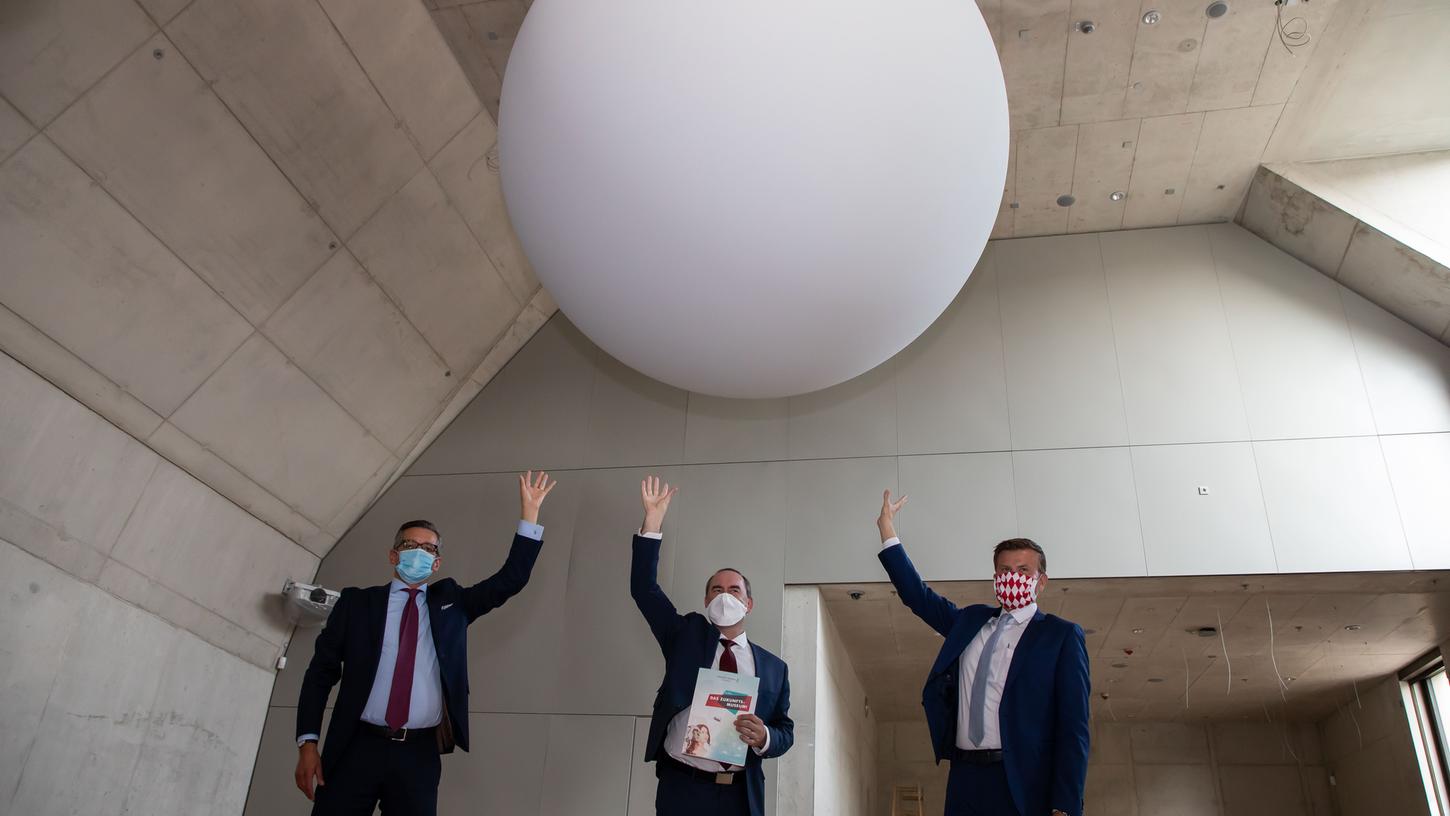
{"points": [[1290, 37], [1223, 642]]}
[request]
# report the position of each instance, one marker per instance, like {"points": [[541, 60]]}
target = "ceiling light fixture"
{"points": [[1086, 26], [1151, 17], [1117, 195], [1155, 679], [1217, 9], [1065, 201], [1353, 627], [1137, 631]]}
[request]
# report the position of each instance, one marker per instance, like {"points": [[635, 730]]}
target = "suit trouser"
{"points": [[679, 794], [401, 777], [979, 790]]}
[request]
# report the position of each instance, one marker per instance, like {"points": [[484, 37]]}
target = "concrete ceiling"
{"points": [[1177, 114], [1144, 650], [263, 237]]}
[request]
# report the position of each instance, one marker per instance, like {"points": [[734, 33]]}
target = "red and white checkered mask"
{"points": [[1015, 590]]}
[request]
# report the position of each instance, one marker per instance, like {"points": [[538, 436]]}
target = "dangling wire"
{"points": [[1290, 39], [1224, 643], [1282, 685], [1185, 678]]}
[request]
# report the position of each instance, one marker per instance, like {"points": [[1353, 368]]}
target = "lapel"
{"points": [[710, 643], [970, 624], [1029, 637]]}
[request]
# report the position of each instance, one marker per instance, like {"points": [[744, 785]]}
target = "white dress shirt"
{"points": [[1001, 661], [425, 703], [675, 734]]}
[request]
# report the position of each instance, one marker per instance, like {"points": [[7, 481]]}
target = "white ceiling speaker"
{"points": [[753, 198]]}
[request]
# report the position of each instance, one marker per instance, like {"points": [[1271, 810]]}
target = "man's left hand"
{"points": [[1059, 813], [752, 730], [532, 490]]}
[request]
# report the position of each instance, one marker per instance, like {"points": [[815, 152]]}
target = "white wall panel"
{"points": [[951, 394], [1330, 505], [1406, 372], [534, 413], [830, 531], [1058, 339], [1419, 468], [1296, 361], [503, 772], [1081, 506], [855, 418], [1177, 363], [633, 420], [960, 506], [1186, 533], [587, 770], [718, 429]]}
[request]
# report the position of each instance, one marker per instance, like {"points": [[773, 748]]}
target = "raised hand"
{"points": [[532, 490], [886, 522], [656, 496]]}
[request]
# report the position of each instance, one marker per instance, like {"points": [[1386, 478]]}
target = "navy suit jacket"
{"points": [[689, 643], [349, 646], [1044, 711]]}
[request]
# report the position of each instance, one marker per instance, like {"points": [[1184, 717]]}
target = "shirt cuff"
{"points": [[655, 536], [306, 738], [766, 747], [528, 529], [890, 542]]}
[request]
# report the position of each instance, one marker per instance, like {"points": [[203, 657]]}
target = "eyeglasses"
{"points": [[409, 544]]}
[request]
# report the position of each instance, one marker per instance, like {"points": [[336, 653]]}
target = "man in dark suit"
{"points": [[1007, 698], [691, 785], [401, 650]]}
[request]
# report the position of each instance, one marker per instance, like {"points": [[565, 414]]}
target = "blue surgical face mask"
{"points": [[414, 566]]}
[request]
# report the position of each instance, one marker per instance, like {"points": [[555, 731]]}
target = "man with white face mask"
{"points": [[1007, 698], [401, 652], [691, 785]]}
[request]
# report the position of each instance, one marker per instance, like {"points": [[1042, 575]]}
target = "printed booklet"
{"points": [[720, 697]]}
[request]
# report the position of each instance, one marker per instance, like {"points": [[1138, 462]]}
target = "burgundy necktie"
{"points": [[402, 691], [727, 658]]}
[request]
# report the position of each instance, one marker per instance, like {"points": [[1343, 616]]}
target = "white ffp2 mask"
{"points": [[725, 610]]}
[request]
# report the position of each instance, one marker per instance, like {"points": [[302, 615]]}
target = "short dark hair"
{"points": [[421, 524], [1021, 544], [729, 569]]}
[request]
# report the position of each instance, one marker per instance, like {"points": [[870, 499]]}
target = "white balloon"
{"points": [[753, 198]]}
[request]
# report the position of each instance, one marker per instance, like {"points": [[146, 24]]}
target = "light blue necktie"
{"points": [[977, 709]]}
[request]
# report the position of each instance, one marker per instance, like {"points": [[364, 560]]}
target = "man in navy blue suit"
{"points": [[401, 651], [691, 785], [1007, 698]]}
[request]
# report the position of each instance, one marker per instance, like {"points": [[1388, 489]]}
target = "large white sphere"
{"points": [[753, 198]]}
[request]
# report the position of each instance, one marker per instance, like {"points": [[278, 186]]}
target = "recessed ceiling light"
{"points": [[1117, 195], [1217, 8], [1155, 679], [1151, 17], [1204, 631], [1137, 631], [1353, 627], [1065, 201], [1086, 26]]}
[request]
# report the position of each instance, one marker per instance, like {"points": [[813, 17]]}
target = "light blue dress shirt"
{"points": [[425, 706]]}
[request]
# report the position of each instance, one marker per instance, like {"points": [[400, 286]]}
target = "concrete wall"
{"points": [[832, 767], [263, 237], [1368, 747], [138, 641], [1160, 769], [1079, 391]]}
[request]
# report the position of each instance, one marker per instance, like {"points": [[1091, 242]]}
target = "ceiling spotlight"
{"points": [[1117, 195], [1204, 631], [1353, 627], [1065, 201], [1151, 17], [1155, 679], [1086, 26], [1217, 9], [1137, 631]]}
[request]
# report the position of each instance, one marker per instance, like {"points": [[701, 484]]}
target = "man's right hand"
{"points": [[656, 496], [309, 767], [886, 522]]}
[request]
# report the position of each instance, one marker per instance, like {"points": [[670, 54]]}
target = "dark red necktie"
{"points": [[402, 691], [727, 658]]}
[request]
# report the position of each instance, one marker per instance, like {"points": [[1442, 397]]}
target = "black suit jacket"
{"points": [[352, 641], [689, 643]]}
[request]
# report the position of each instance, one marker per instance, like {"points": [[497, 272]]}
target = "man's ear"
{"points": [[437, 561], [393, 557], [749, 605]]}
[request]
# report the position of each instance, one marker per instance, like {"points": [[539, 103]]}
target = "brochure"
{"points": [[720, 697]]}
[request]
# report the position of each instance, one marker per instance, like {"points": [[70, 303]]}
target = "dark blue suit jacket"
{"points": [[689, 643], [1044, 712], [349, 646]]}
